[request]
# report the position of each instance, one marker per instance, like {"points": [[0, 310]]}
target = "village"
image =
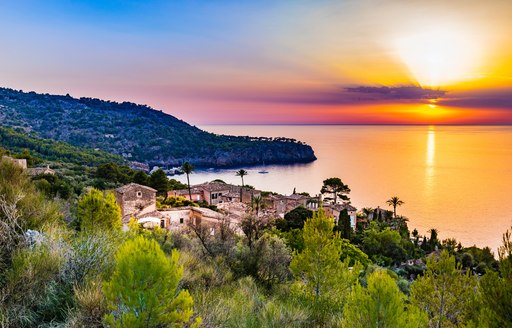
{"points": [[225, 203], [232, 202], [213, 205]]}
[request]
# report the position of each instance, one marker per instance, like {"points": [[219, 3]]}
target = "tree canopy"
{"points": [[98, 210], [336, 188], [143, 290]]}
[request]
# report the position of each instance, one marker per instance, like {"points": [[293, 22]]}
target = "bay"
{"points": [[456, 179]]}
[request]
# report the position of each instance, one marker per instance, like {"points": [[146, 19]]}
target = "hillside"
{"points": [[139, 133], [50, 150]]}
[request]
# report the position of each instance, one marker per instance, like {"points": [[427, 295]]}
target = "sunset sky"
{"points": [[297, 62]]}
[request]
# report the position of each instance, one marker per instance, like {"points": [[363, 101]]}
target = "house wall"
{"points": [[177, 219], [247, 195], [336, 214], [19, 162], [136, 201], [353, 219], [196, 197], [214, 197]]}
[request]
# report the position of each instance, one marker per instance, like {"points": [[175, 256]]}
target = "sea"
{"points": [[456, 179]]}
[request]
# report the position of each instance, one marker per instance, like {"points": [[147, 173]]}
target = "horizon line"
{"points": [[351, 124]]}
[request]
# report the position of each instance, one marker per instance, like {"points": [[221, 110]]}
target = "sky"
{"points": [[270, 62]]}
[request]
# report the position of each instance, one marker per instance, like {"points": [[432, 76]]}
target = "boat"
{"points": [[263, 171]]}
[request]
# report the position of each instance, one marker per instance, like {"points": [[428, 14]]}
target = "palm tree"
{"points": [[188, 168], [257, 204], [394, 201], [433, 241], [433, 235], [367, 211], [241, 173]]}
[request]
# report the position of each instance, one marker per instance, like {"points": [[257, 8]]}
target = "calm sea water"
{"points": [[456, 179]]}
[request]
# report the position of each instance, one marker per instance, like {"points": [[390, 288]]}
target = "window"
{"points": [[162, 223], [139, 194], [181, 220], [214, 196]]}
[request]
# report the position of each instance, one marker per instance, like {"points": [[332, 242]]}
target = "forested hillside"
{"points": [[50, 150], [139, 133]]}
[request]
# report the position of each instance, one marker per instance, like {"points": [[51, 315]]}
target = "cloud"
{"points": [[397, 92], [490, 98], [337, 95]]}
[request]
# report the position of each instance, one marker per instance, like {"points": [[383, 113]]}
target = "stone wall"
{"points": [[135, 201]]}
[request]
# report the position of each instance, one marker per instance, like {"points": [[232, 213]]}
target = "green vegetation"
{"points": [[69, 265], [336, 188], [49, 150], [321, 279], [98, 210], [143, 289], [158, 180], [343, 225], [444, 292], [381, 304], [294, 219], [394, 201], [241, 173], [138, 133], [187, 168]]}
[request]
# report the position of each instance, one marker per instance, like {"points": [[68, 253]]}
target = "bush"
{"points": [[143, 291]]}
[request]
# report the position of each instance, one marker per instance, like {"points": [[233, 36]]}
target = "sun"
{"points": [[439, 56]]}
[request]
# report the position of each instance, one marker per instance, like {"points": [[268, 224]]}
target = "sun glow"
{"points": [[439, 56]]}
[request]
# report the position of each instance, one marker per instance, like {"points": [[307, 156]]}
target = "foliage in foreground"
{"points": [[56, 274], [381, 304], [143, 289]]}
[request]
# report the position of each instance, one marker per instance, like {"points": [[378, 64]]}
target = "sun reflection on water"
{"points": [[430, 158]]}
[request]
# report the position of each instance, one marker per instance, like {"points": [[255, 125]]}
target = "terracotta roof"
{"points": [[193, 190], [219, 186], [296, 196], [341, 207], [207, 212], [213, 186], [129, 186], [232, 194]]}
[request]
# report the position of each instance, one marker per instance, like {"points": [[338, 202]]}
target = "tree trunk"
{"points": [[189, 192]]}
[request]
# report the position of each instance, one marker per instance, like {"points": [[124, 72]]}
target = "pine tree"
{"points": [[158, 180], [98, 210], [143, 291], [336, 188], [495, 290], [444, 292], [320, 275], [344, 226], [141, 178], [381, 305]]}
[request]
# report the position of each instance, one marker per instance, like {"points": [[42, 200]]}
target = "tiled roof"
{"points": [[129, 186], [341, 207]]}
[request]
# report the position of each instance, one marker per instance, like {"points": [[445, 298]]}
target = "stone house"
{"points": [[139, 201], [216, 192], [335, 210], [21, 162], [196, 193], [40, 170], [135, 200], [282, 204]]}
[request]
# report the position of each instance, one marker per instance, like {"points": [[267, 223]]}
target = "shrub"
{"points": [[143, 291]]}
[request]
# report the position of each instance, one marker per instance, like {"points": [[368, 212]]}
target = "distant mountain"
{"points": [[139, 133]]}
